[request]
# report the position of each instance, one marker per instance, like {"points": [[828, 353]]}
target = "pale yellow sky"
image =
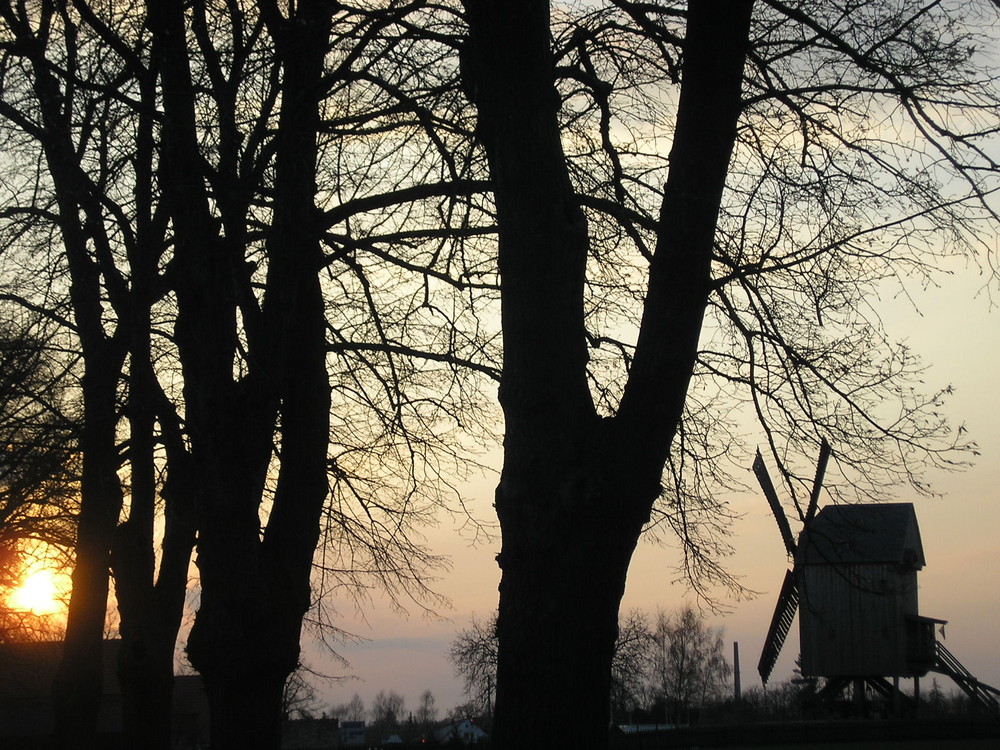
{"points": [[959, 338]]}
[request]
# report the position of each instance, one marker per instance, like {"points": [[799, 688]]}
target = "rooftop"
{"points": [[875, 533]]}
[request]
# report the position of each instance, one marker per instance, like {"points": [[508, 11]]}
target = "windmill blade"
{"points": [[824, 457], [781, 623], [772, 498]]}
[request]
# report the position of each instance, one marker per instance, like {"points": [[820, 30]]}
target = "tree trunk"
{"points": [[243, 663], [576, 490], [77, 689], [245, 707], [151, 611], [78, 685], [146, 677], [558, 623], [255, 588]]}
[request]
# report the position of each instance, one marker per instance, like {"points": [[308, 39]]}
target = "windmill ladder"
{"points": [[980, 693]]}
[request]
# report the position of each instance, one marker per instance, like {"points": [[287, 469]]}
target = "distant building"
{"points": [[352, 733], [27, 671], [465, 731]]}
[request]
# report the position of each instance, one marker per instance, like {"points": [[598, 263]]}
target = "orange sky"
{"points": [[959, 337]]}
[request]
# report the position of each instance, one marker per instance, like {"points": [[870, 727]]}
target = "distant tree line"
{"points": [[387, 715], [666, 666], [798, 699]]}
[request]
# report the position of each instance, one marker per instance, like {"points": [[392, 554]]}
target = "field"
{"points": [[824, 735]]}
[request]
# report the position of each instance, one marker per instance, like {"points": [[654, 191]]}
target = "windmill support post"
{"points": [[860, 696]]}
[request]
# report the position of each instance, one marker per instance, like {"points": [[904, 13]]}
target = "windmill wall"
{"points": [[853, 619]]}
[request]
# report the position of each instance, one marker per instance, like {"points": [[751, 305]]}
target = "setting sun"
{"points": [[37, 593]]}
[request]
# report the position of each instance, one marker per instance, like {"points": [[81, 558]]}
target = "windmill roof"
{"points": [[877, 533]]}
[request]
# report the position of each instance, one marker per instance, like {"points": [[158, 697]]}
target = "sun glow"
{"points": [[37, 593]]}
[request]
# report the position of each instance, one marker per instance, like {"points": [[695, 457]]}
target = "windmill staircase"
{"points": [[982, 695]]}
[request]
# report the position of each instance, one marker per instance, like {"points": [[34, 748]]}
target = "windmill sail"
{"points": [[772, 498], [781, 622], [824, 457]]}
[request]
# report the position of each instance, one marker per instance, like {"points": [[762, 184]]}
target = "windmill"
{"points": [[854, 582], [788, 598]]}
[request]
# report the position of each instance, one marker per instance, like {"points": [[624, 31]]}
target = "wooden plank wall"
{"points": [[852, 619]]}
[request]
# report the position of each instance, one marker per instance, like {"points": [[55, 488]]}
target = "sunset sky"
{"points": [[830, 176], [958, 337]]}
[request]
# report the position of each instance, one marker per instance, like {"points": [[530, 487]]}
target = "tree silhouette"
{"points": [[689, 665], [427, 711], [38, 469], [85, 243], [816, 152], [386, 714], [263, 226], [241, 216], [353, 710], [631, 664], [473, 655], [299, 699]]}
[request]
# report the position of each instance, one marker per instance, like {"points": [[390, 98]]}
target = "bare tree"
{"points": [[176, 152], [473, 654], [292, 254], [86, 244], [576, 490], [288, 284], [38, 471], [386, 713], [353, 710], [427, 711], [816, 152], [42, 114], [299, 698], [689, 667], [631, 663], [39, 464]]}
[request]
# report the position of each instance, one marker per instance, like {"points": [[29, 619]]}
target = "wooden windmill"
{"points": [[854, 582]]}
